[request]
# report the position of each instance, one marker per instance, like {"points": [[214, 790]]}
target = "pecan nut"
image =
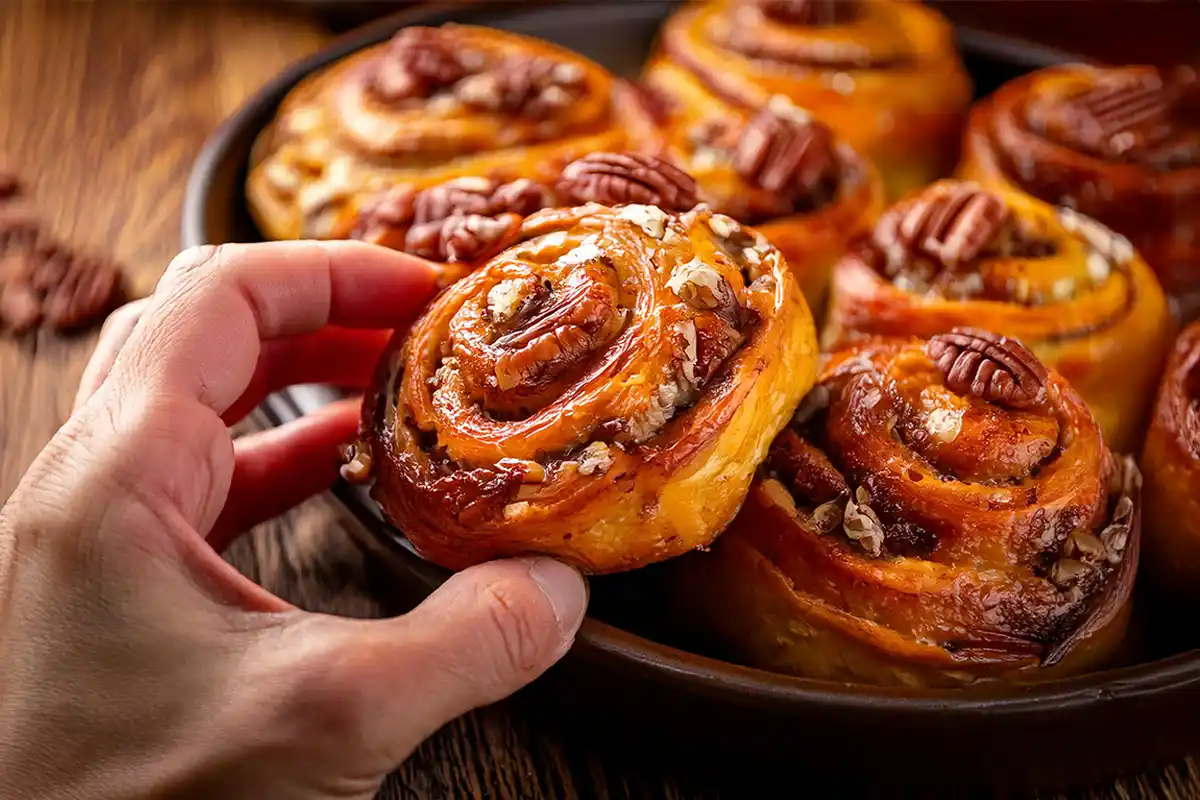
{"points": [[462, 238], [521, 196], [994, 368], [390, 217], [85, 289], [1127, 112], [44, 282], [532, 87], [627, 178], [417, 62], [950, 222], [471, 195], [788, 153], [810, 12]]}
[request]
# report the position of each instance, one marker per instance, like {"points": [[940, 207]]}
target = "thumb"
{"points": [[484, 634]]}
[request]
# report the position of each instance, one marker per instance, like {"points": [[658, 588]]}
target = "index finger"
{"points": [[201, 334]]}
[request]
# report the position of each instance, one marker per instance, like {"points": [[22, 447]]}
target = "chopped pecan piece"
{"points": [[789, 153], [994, 368], [950, 222], [627, 178], [417, 62]]}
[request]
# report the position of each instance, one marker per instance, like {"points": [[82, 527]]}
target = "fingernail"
{"points": [[565, 589]]}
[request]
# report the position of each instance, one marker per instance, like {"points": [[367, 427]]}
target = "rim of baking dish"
{"points": [[1142, 682]]}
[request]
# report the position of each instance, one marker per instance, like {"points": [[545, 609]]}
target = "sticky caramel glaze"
{"points": [[1143, 194], [333, 142], [887, 79], [499, 427], [1171, 462], [970, 581], [1108, 336]]}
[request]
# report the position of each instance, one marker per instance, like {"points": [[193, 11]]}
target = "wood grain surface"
{"points": [[104, 106]]}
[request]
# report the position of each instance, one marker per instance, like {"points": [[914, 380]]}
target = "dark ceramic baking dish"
{"points": [[630, 680]]}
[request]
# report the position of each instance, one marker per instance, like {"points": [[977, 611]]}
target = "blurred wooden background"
{"points": [[104, 106]]}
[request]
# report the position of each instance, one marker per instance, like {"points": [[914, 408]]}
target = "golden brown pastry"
{"points": [[1119, 144], [883, 74], [784, 172], [1073, 291], [431, 105], [1171, 463], [939, 512], [601, 391]]}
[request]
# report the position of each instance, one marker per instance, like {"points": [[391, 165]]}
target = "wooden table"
{"points": [[102, 108]]}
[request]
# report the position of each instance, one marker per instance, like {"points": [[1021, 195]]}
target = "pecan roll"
{"points": [[884, 75], [1171, 463], [1071, 289], [1120, 144], [903, 532], [602, 391], [432, 105]]}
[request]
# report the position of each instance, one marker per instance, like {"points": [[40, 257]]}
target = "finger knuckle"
{"points": [[518, 624], [195, 258]]}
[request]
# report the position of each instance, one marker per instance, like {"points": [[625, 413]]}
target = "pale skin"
{"points": [[134, 661]]}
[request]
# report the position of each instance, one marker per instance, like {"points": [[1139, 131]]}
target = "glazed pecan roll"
{"points": [[939, 512], [602, 391], [785, 172], [1075, 292], [432, 105], [1118, 144], [884, 75], [1171, 462]]}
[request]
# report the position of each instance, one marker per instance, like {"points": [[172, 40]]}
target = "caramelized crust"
{"points": [[601, 391], [973, 540], [884, 75], [1075, 292], [432, 105], [1171, 462], [1120, 144]]}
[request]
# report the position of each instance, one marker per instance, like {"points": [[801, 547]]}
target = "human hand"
{"points": [[134, 661]]}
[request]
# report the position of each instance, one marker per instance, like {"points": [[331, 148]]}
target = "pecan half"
{"points": [[42, 281], [810, 12], [461, 238], [532, 87], [994, 368], [417, 62], [1127, 112], [951, 222], [788, 153], [627, 178]]}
